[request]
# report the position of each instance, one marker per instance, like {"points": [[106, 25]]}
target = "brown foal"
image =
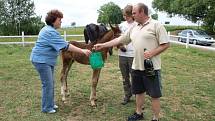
{"points": [[68, 58]]}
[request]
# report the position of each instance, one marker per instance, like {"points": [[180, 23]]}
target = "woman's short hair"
{"points": [[52, 15], [127, 11]]}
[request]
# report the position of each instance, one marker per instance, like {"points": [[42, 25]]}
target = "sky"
{"points": [[84, 12]]}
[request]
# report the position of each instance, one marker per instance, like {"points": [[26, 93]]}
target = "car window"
{"points": [[195, 33], [184, 32], [201, 32], [190, 33]]}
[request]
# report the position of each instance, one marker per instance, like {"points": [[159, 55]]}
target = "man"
{"points": [[151, 35]]}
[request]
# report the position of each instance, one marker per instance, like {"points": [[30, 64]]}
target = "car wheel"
{"points": [[179, 39], [194, 42], [182, 40]]}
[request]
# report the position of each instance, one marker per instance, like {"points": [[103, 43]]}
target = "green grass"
{"points": [[188, 89], [72, 30]]}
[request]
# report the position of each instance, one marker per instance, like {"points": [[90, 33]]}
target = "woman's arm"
{"points": [[73, 48]]}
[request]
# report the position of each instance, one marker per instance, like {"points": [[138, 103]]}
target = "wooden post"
{"points": [[188, 39], [23, 39], [168, 35]]}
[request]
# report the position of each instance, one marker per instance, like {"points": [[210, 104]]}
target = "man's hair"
{"points": [[52, 15], [143, 7], [127, 10]]}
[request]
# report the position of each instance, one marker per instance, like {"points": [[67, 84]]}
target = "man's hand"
{"points": [[99, 46], [147, 54]]}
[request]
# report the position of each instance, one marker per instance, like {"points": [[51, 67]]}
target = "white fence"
{"points": [[173, 40], [23, 42]]}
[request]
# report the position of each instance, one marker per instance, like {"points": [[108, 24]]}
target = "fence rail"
{"points": [[173, 40]]}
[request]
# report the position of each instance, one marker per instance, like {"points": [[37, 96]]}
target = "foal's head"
{"points": [[113, 33], [94, 32]]}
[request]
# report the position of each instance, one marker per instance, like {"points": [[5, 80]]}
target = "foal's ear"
{"points": [[116, 28], [112, 28], [97, 28]]}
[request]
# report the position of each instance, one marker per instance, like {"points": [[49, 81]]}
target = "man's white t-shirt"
{"points": [[124, 26]]}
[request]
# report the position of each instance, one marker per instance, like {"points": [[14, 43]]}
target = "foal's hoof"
{"points": [[64, 101], [67, 94], [93, 104]]}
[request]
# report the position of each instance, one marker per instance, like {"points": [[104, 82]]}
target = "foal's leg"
{"points": [[94, 82], [64, 73]]}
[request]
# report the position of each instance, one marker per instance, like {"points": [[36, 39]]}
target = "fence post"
{"points": [[65, 35], [23, 39], [168, 35], [188, 39]]}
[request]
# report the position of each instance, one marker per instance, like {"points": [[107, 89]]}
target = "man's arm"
{"points": [[111, 43]]}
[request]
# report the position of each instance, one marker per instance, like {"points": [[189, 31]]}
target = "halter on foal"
{"points": [[68, 58]]}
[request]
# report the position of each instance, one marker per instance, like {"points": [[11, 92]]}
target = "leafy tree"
{"points": [[17, 16], [155, 16], [2, 13], [193, 10], [110, 13]]}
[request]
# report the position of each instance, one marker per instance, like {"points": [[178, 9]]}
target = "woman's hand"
{"points": [[86, 52]]}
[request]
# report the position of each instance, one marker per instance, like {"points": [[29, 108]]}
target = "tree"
{"points": [[193, 10], [110, 13], [17, 16], [2, 13], [155, 16]]}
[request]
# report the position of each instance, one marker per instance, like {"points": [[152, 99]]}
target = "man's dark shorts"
{"points": [[151, 85]]}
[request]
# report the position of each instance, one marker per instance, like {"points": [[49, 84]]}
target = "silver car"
{"points": [[196, 37]]}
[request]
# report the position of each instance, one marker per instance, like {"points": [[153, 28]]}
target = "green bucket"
{"points": [[96, 60]]}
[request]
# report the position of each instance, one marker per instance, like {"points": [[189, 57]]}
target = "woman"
{"points": [[44, 56]]}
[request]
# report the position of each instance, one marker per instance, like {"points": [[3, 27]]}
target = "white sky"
{"points": [[84, 12]]}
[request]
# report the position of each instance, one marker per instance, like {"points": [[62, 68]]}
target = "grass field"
{"points": [[188, 89]]}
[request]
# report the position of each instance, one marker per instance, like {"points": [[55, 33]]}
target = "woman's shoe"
{"points": [[55, 107], [52, 111]]}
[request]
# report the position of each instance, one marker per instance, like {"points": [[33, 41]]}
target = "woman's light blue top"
{"points": [[48, 46]]}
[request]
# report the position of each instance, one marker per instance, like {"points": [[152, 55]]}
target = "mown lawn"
{"points": [[188, 89]]}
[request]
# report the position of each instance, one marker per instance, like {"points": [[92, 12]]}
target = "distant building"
{"points": [[164, 19]]}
